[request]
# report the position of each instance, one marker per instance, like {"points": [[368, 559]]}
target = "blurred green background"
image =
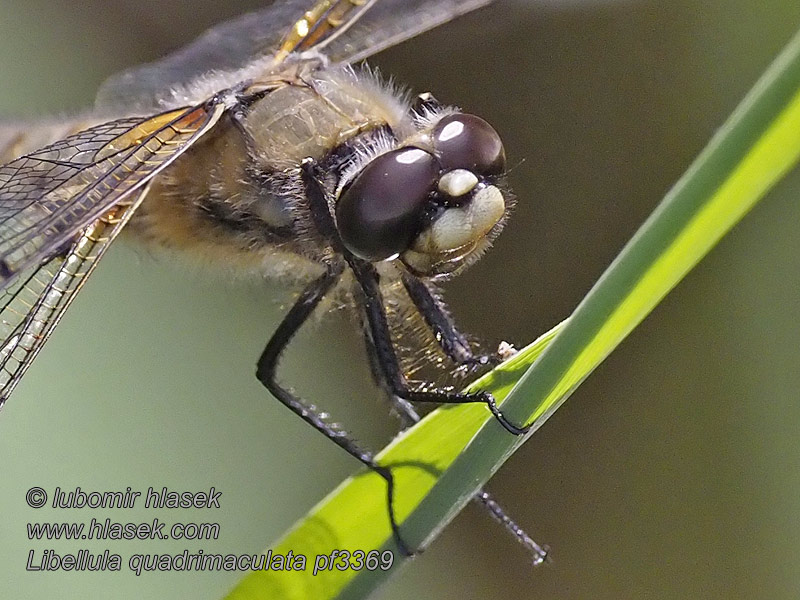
{"points": [[673, 472]]}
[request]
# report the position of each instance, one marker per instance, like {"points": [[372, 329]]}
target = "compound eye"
{"points": [[468, 142], [381, 212]]}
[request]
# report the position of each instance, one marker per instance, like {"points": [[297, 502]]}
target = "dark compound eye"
{"points": [[379, 214], [468, 142]]}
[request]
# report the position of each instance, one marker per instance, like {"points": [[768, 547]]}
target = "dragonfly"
{"points": [[267, 145]]}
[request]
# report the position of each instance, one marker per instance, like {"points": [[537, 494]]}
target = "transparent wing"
{"points": [[21, 137], [50, 195], [227, 47], [390, 22], [233, 45], [33, 305]]}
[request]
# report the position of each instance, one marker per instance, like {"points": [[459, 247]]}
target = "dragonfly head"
{"points": [[435, 202]]}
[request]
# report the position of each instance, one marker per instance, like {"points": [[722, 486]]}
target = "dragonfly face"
{"points": [[272, 154], [432, 202]]}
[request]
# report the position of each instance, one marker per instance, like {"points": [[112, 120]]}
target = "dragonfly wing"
{"points": [[32, 306], [48, 196], [224, 49], [227, 50], [390, 22], [61, 207]]}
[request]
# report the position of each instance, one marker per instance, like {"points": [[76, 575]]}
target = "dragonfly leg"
{"points": [[368, 279], [267, 374], [454, 343], [457, 347], [409, 416]]}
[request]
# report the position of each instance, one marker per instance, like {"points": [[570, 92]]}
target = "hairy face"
{"points": [[434, 202]]}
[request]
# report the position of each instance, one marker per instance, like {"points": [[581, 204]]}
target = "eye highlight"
{"points": [[379, 214], [468, 142]]}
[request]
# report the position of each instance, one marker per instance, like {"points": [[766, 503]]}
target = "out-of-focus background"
{"points": [[673, 472]]}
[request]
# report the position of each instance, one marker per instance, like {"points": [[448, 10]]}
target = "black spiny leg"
{"points": [[452, 341], [367, 278], [458, 343], [267, 371]]}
